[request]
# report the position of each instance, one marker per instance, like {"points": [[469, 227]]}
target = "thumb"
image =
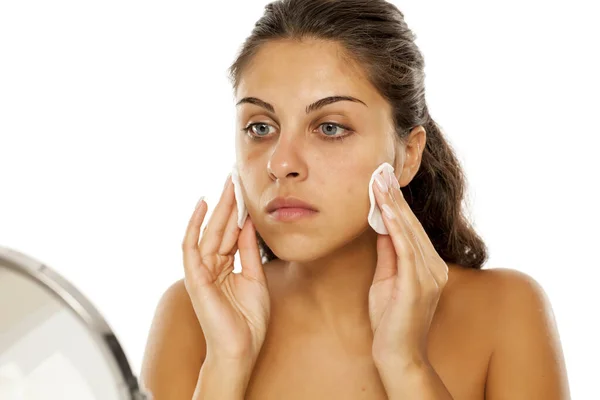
{"points": [[386, 266], [250, 254]]}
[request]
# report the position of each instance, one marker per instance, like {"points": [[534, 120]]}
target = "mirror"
{"points": [[53, 343]]}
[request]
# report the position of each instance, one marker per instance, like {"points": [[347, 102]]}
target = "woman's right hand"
{"points": [[233, 309]]}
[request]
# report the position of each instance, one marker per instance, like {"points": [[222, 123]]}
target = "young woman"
{"points": [[325, 307]]}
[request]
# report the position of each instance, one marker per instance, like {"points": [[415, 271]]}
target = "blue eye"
{"points": [[260, 134], [328, 132], [337, 127]]}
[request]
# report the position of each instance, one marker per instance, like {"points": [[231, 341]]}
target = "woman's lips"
{"points": [[285, 214]]}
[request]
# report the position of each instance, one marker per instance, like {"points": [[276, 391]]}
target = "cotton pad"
{"points": [[375, 218], [239, 199]]}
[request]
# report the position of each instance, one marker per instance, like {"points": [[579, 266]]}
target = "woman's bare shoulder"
{"points": [[493, 294], [526, 353], [503, 287], [514, 298], [175, 348]]}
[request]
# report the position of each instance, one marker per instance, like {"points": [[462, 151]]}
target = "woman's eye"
{"points": [[259, 128], [331, 129]]}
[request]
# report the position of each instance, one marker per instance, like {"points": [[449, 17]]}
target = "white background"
{"points": [[116, 116]]}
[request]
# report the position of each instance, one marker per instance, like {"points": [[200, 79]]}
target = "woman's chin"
{"points": [[298, 251], [302, 248]]}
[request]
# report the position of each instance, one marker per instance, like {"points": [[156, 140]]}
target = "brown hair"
{"points": [[373, 33]]}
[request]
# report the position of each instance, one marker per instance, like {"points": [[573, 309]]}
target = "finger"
{"points": [[428, 281], [411, 218], [438, 270], [416, 233], [395, 192], [191, 255], [212, 236], [386, 197], [250, 254], [407, 273], [232, 232], [425, 276], [387, 260]]}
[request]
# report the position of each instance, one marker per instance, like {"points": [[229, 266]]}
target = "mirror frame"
{"points": [[99, 329]]}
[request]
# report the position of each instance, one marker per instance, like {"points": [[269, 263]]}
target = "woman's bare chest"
{"points": [[309, 374], [303, 366], [300, 362]]}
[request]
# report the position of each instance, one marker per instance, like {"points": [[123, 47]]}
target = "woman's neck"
{"points": [[335, 288]]}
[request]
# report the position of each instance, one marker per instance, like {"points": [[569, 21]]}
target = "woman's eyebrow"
{"points": [[310, 108]]}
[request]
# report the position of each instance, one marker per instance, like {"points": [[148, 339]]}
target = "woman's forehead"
{"points": [[291, 64]]}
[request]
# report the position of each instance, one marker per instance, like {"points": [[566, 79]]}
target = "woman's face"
{"points": [[324, 156]]}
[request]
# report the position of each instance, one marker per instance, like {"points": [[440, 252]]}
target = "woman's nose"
{"points": [[286, 161]]}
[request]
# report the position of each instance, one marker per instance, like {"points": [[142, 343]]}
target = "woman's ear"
{"points": [[408, 157]]}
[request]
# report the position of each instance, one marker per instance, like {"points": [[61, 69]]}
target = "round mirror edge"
{"points": [[83, 308]]}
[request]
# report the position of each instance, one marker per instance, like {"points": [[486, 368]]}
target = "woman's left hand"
{"points": [[408, 280]]}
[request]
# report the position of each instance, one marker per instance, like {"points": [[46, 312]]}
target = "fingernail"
{"points": [[200, 201], [381, 182], [387, 211]]}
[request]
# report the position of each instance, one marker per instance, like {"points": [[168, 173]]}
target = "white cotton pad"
{"points": [[239, 199], [375, 218]]}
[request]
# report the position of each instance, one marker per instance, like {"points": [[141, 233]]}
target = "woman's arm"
{"points": [[219, 380], [527, 360], [416, 380]]}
